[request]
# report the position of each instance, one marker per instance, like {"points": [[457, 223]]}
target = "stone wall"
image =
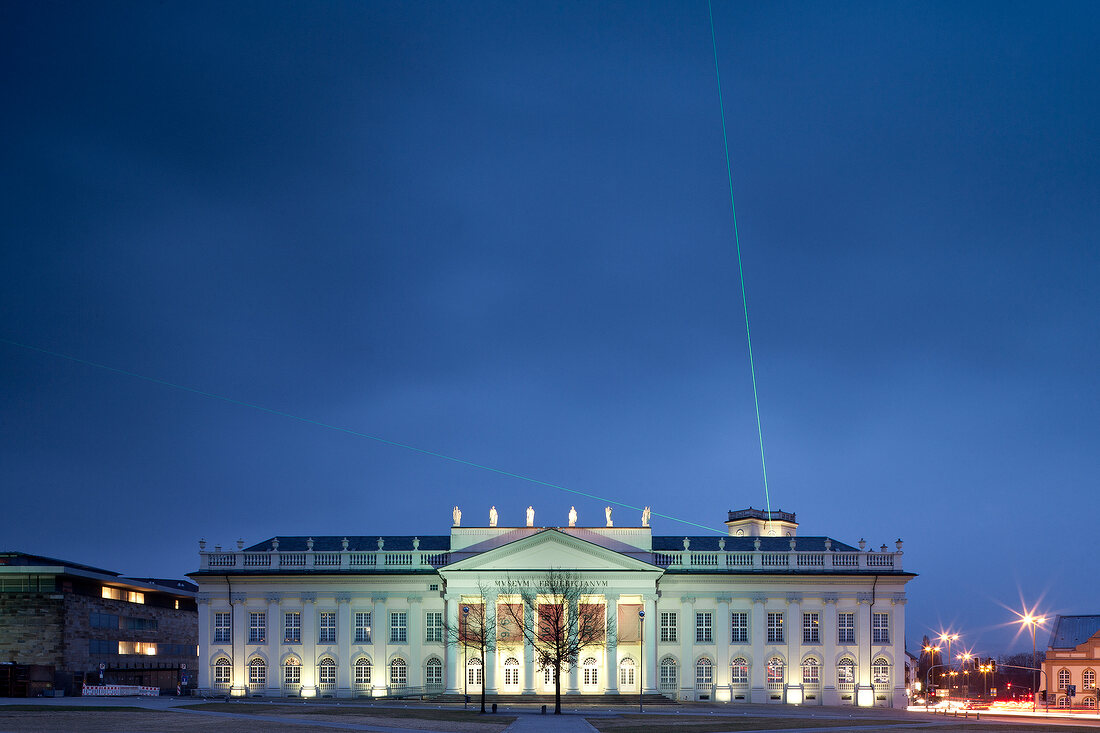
{"points": [[31, 628], [173, 627]]}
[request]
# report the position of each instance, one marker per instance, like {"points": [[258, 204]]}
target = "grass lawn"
{"points": [[421, 713]]}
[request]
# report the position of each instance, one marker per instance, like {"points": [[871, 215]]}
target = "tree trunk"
{"points": [[557, 689]]}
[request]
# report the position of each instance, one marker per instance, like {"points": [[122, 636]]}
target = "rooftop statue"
{"points": [[456, 514], [492, 516], [572, 516], [530, 516], [607, 513], [645, 517]]}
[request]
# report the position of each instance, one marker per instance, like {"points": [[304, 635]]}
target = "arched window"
{"points": [[880, 672], [257, 673], [326, 673], [362, 671], [846, 673], [433, 673], [739, 672], [223, 673], [474, 672], [1088, 679], [626, 674], [292, 672], [775, 671], [668, 674], [1063, 678], [704, 674], [511, 672], [1063, 701], [399, 672], [1088, 701], [811, 672], [591, 675]]}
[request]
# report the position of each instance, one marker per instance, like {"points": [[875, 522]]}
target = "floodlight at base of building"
{"points": [[865, 697], [309, 692], [237, 692], [723, 694], [794, 695]]}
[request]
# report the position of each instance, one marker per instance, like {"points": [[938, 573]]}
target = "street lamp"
{"points": [[931, 652], [948, 638], [1030, 621], [641, 654]]}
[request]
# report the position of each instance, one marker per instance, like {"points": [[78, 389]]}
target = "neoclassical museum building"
{"points": [[760, 615]]}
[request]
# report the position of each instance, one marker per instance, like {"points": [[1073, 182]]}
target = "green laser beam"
{"points": [[318, 423], [740, 268]]}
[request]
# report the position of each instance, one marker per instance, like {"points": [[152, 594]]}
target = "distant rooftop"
{"points": [[1070, 632], [769, 516]]}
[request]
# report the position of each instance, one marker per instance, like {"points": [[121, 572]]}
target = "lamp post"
{"points": [[931, 652], [641, 655], [465, 669], [1030, 621], [948, 638], [964, 667]]}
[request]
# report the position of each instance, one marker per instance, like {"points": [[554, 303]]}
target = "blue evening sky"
{"points": [[502, 232]]}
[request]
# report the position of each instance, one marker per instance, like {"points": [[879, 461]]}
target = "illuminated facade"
{"points": [[1073, 658], [760, 615]]}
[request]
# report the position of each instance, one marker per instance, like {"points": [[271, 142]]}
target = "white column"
{"points": [[829, 633], [415, 635], [528, 653], [309, 645], [574, 671], [865, 694], [793, 623], [379, 636], [343, 644], [758, 628], [274, 645], [489, 663], [240, 636], [722, 690], [453, 650], [687, 647], [649, 636], [897, 639], [202, 674], [611, 650]]}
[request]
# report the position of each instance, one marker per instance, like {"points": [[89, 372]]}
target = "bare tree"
{"points": [[562, 624], [476, 631]]}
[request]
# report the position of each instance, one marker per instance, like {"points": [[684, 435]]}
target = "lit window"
{"points": [[880, 673], [292, 626], [433, 626], [739, 672], [846, 627], [327, 633], [137, 647], [1063, 678], [846, 672], [112, 593], [811, 672], [362, 627], [704, 674], [703, 627], [257, 673], [1088, 679], [668, 626], [362, 672], [775, 671], [811, 628], [399, 627], [257, 627], [292, 672], [326, 672], [775, 627], [880, 628], [222, 629], [739, 627], [223, 672]]}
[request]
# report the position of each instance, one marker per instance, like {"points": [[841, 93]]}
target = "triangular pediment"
{"points": [[551, 549]]}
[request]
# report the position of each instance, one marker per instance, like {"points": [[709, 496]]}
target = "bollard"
{"points": [[544, 710], [494, 707]]}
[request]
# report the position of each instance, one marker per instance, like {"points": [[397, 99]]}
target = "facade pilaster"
{"points": [[239, 606], [865, 693], [574, 670], [829, 693], [452, 650], [414, 625], [793, 615], [649, 635], [528, 652], [309, 645], [380, 635], [274, 645], [758, 668], [611, 651], [489, 663], [897, 638], [687, 646], [343, 644], [722, 689]]}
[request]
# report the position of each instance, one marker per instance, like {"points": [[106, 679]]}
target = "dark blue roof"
{"points": [[709, 543], [1070, 632], [356, 543]]}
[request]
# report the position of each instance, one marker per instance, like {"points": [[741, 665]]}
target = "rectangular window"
{"points": [[433, 626], [704, 625], [399, 627], [137, 647], [846, 627], [668, 626], [103, 620], [257, 627], [433, 675], [362, 627], [292, 626], [739, 627], [141, 624], [292, 673], [811, 628], [327, 634], [222, 633], [114, 594], [775, 627], [257, 674], [880, 628], [102, 646]]}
